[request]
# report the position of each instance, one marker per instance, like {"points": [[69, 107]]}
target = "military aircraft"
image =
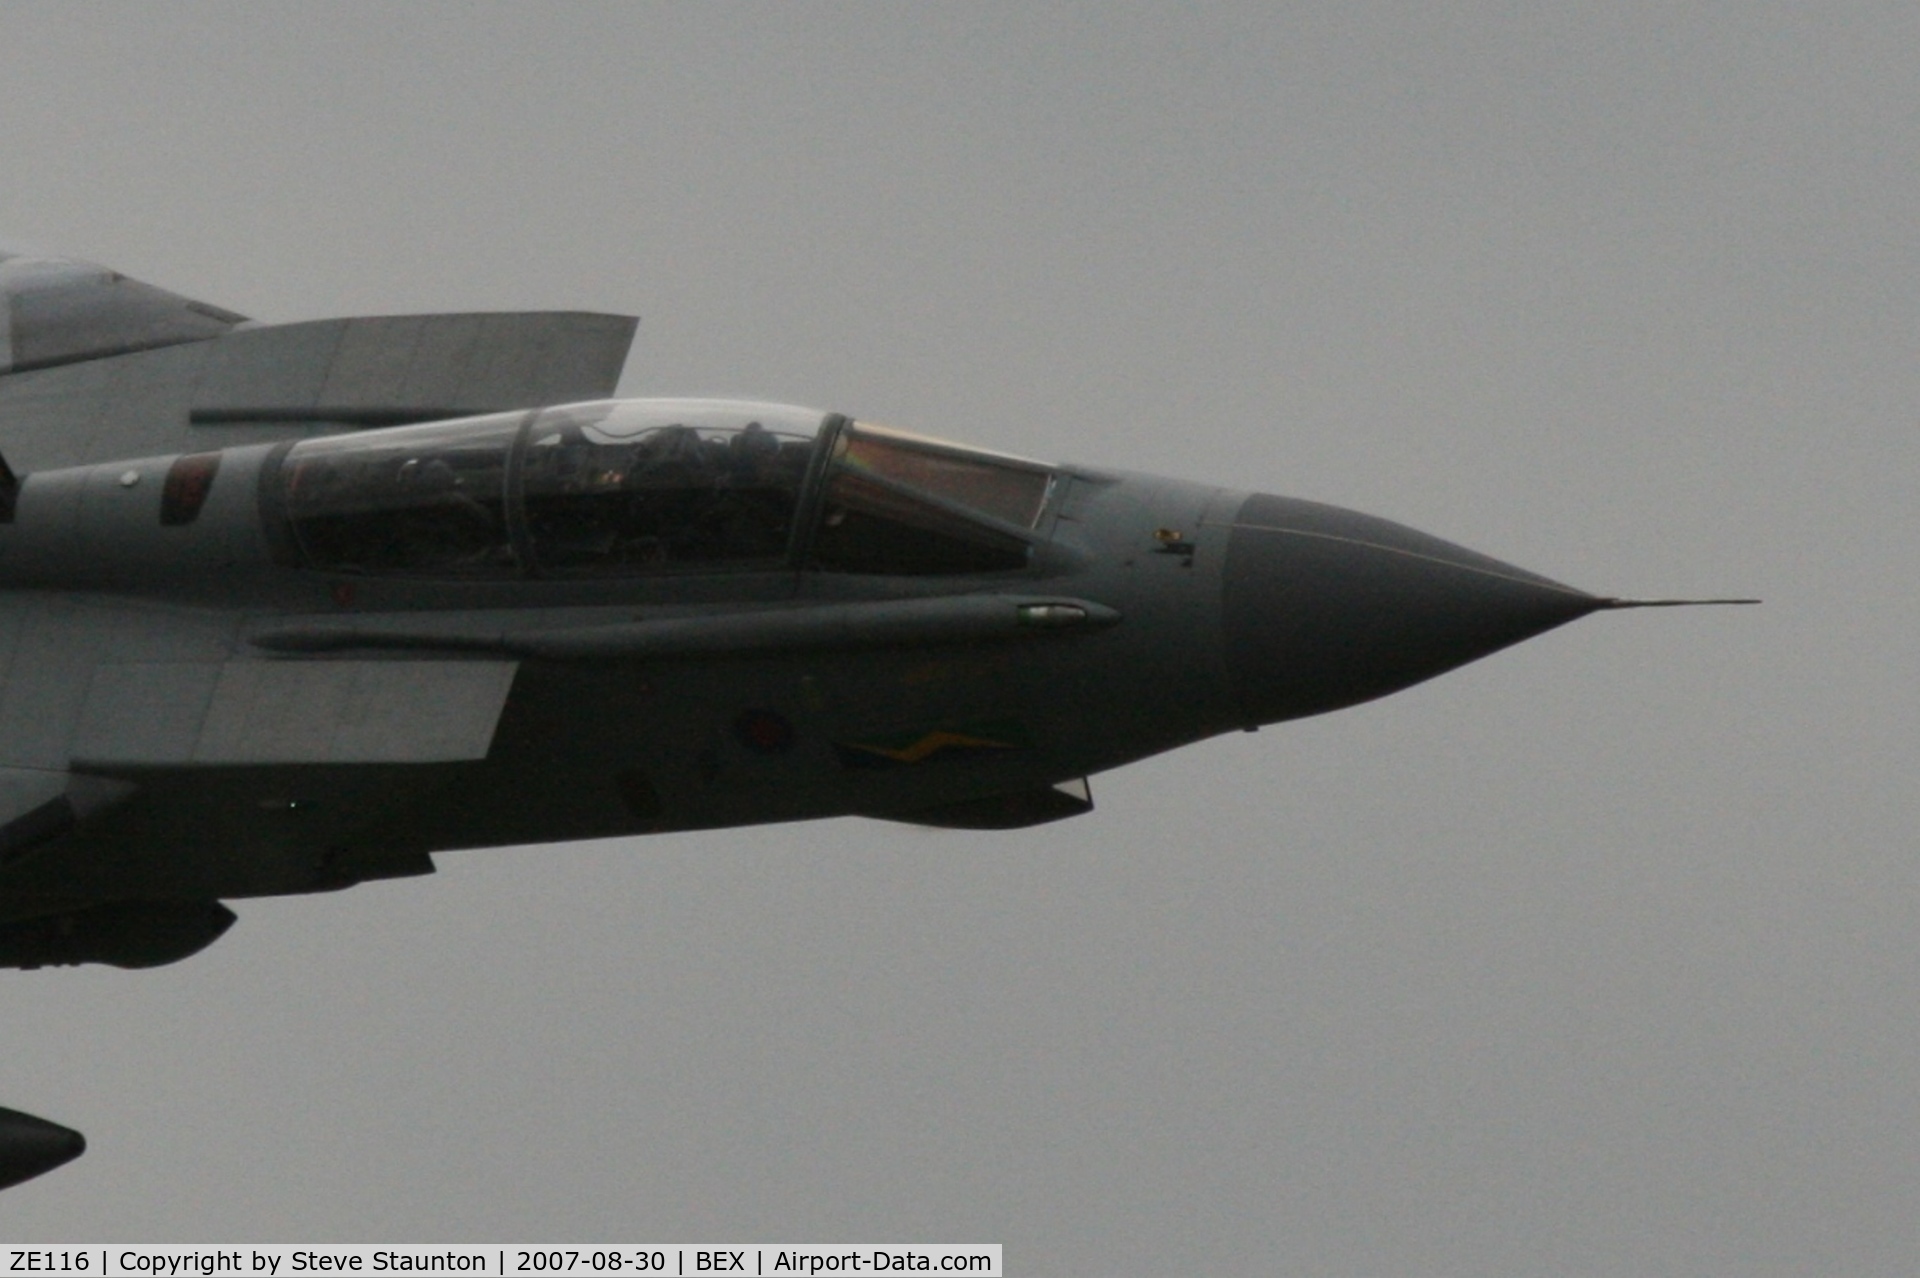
{"points": [[290, 607]]}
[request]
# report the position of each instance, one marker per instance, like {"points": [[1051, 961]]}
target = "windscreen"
{"points": [[905, 504], [1011, 489]]}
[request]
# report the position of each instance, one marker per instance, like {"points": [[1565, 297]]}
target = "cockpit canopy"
{"points": [[633, 487]]}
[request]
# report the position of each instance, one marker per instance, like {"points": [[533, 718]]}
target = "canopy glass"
{"points": [[637, 487]]}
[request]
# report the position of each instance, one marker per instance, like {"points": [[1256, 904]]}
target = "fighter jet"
{"points": [[290, 607]]}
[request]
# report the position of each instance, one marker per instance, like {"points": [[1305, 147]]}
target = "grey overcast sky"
{"points": [[1601, 956]]}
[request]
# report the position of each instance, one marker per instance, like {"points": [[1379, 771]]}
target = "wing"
{"points": [[59, 310], [96, 367], [148, 767]]}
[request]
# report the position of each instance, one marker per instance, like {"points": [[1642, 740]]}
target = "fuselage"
{"points": [[317, 663]]}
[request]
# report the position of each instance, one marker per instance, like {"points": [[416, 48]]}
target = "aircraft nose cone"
{"points": [[30, 1146], [1326, 607]]}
